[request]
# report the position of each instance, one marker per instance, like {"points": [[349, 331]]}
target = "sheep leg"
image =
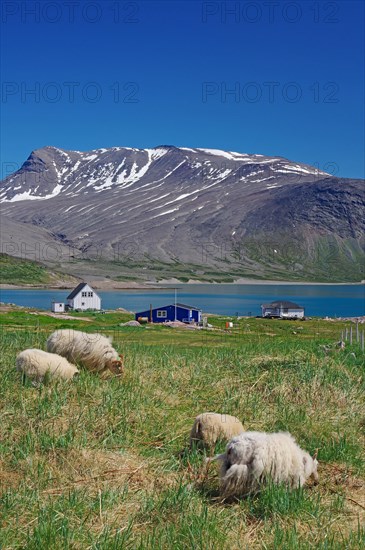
{"points": [[257, 469]]}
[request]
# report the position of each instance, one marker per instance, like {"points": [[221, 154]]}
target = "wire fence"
{"points": [[352, 335]]}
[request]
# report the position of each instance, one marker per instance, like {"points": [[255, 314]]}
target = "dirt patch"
{"points": [[356, 499], [109, 284], [94, 469], [60, 316], [4, 308], [354, 507], [8, 478], [339, 480]]}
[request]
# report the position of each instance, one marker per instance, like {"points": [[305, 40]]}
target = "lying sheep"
{"points": [[253, 458], [36, 363], [209, 427], [93, 351]]}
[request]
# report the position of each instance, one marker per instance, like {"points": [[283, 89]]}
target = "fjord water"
{"points": [[224, 299]]}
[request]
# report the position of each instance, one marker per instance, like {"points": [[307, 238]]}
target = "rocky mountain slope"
{"points": [[198, 211]]}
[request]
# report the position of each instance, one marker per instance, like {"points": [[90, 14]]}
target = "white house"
{"points": [[58, 307], [283, 309], [83, 297]]}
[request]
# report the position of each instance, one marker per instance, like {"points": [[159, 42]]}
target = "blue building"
{"points": [[172, 312]]}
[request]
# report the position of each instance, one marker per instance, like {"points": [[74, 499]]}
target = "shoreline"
{"points": [[242, 281], [9, 307], [167, 283]]}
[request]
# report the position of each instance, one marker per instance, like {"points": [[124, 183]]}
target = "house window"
{"points": [[83, 294], [162, 313], [285, 310], [90, 294]]}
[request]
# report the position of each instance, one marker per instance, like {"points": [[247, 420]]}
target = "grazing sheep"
{"points": [[253, 458], [93, 351], [36, 363], [209, 427]]}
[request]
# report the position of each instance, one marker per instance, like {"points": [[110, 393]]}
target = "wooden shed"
{"points": [[58, 307]]}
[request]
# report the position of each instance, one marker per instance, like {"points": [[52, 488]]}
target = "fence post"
{"points": [[351, 335], [38, 333], [362, 340], [357, 331]]}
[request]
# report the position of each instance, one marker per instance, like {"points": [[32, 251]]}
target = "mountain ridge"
{"points": [[211, 209]]}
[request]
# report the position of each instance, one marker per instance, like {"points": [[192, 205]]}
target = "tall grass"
{"points": [[103, 464]]}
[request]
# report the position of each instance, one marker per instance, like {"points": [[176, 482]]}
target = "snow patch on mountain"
{"points": [[27, 195], [150, 171], [167, 212]]}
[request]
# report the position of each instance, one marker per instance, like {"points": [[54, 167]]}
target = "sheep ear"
{"points": [[315, 455]]}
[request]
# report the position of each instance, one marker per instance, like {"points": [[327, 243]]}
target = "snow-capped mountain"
{"points": [[202, 206], [50, 172]]}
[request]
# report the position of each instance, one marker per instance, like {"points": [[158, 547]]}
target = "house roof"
{"points": [[186, 307], [283, 303], [76, 291]]}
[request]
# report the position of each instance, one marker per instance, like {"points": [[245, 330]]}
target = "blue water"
{"points": [[318, 300]]}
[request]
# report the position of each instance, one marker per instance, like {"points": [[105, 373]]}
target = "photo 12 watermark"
{"points": [[250, 12], [51, 251], [269, 92], [70, 12], [69, 92]]}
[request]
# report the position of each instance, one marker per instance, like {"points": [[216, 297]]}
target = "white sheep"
{"points": [[93, 351], [253, 458], [209, 427], [36, 363]]}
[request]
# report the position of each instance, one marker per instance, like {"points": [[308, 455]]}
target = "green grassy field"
{"points": [[17, 271], [98, 464]]}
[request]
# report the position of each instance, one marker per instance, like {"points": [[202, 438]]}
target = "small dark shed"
{"points": [[172, 312]]}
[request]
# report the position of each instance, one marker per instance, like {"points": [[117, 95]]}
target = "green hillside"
{"points": [[17, 271]]}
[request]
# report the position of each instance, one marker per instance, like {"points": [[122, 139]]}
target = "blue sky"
{"points": [[275, 78]]}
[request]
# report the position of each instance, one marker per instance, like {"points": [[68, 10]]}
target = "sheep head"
{"points": [[116, 366], [311, 466], [237, 452], [315, 472], [315, 467]]}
